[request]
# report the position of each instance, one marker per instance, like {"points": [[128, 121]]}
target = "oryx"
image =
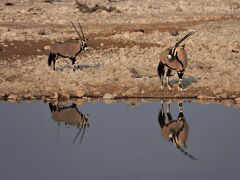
{"points": [[174, 130], [68, 49], [173, 58]]}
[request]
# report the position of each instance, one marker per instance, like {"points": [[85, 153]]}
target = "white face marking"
{"points": [[169, 56], [175, 52]]}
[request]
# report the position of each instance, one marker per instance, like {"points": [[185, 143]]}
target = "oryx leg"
{"points": [[180, 76], [55, 57], [168, 111], [168, 74], [161, 74], [180, 109], [73, 62], [161, 116], [54, 61]]}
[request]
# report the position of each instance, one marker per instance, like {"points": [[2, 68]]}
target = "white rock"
{"points": [[238, 100], [47, 47], [12, 97], [108, 96], [79, 93], [55, 96]]}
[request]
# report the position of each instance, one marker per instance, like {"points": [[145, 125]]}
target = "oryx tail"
{"points": [[51, 58]]}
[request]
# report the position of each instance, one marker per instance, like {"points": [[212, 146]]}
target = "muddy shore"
{"points": [[124, 47]]}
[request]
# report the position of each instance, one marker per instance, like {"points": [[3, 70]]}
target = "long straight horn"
{"points": [[185, 37], [76, 30], [81, 30], [75, 138], [186, 153]]}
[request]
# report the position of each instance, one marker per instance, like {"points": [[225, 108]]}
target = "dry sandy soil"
{"points": [[124, 48]]}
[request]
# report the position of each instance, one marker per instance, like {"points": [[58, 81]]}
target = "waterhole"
{"points": [[184, 140]]}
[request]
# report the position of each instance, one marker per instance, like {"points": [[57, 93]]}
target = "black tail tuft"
{"points": [[161, 69], [50, 58]]}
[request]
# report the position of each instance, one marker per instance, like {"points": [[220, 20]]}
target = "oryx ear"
{"points": [[76, 30]]}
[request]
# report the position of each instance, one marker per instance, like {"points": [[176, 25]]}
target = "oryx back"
{"points": [[178, 63], [70, 116], [67, 49]]}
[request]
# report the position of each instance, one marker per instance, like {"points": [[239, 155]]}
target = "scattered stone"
{"points": [[203, 97], [108, 96], [28, 96], [23, 11], [64, 96], [96, 93], [84, 8], [235, 51], [178, 9], [174, 33], [217, 90], [223, 96], [78, 93], [237, 100], [42, 32], [234, 6], [55, 96], [12, 97], [47, 47], [8, 4], [233, 96], [50, 1], [132, 91], [139, 30], [9, 34]]}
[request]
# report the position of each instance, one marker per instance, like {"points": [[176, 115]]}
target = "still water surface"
{"points": [[122, 142]]}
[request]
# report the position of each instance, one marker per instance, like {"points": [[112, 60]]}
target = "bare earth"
{"points": [[124, 48]]}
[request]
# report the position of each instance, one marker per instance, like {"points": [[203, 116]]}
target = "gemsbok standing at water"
{"points": [[69, 49], [174, 130], [173, 58]]}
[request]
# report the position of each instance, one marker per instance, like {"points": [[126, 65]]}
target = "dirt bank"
{"points": [[124, 48]]}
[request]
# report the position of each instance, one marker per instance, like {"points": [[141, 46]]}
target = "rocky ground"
{"points": [[125, 39]]}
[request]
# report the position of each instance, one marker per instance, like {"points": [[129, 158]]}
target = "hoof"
{"points": [[180, 88]]}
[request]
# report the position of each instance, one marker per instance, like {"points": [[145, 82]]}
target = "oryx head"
{"points": [[173, 51], [179, 142], [83, 38], [85, 118]]}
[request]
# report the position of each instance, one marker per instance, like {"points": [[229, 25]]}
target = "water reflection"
{"points": [[123, 142], [70, 116], [174, 130]]}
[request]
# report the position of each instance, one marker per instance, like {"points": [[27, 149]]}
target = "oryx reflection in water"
{"points": [[70, 116], [174, 130]]}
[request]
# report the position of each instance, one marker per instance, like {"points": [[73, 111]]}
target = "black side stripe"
{"points": [[169, 67], [179, 60]]}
